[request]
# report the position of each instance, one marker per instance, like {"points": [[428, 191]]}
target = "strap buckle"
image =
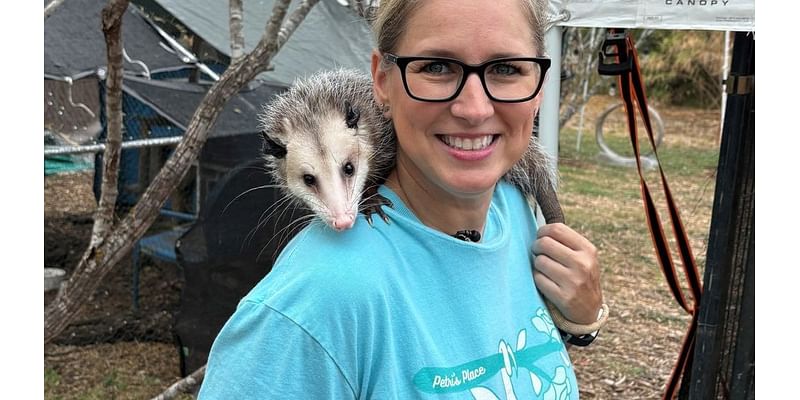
{"points": [[740, 84], [613, 58]]}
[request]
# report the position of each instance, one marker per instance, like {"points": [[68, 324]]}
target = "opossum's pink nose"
{"points": [[343, 222]]}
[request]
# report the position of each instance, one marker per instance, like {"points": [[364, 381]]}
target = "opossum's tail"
{"points": [[535, 174]]}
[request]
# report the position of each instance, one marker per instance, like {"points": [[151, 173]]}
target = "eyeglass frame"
{"points": [[479, 69]]}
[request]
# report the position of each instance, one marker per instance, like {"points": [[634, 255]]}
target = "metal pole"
{"points": [[97, 148], [725, 67], [548, 112], [185, 55]]}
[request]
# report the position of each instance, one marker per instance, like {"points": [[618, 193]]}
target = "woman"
{"points": [[406, 310]]}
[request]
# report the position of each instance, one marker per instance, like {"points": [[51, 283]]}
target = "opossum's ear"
{"points": [[352, 115], [273, 148]]}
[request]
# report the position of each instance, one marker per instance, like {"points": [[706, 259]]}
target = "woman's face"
{"points": [[432, 136]]}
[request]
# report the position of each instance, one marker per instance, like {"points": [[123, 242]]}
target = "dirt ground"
{"points": [[110, 349], [114, 352]]}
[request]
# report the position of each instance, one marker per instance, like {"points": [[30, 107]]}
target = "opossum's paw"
{"points": [[374, 205]]}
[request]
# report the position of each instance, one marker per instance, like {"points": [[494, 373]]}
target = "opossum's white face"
{"points": [[327, 170]]}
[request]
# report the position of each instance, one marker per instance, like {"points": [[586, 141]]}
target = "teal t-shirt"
{"points": [[397, 311]]}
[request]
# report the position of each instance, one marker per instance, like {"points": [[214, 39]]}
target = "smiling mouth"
{"points": [[470, 144]]}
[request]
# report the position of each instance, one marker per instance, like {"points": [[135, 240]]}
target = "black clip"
{"points": [[615, 45], [468, 236]]}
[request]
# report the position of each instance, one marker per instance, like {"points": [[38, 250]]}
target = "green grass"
{"points": [[52, 379], [110, 387], [604, 201], [675, 159]]}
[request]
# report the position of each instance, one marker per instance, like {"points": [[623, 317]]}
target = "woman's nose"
{"points": [[472, 104]]}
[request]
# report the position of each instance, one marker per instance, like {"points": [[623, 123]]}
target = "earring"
{"points": [[385, 109]]}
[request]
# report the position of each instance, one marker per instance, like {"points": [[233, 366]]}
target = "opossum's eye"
{"points": [[352, 117], [309, 180], [348, 169]]}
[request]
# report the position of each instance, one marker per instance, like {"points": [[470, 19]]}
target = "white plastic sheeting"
{"points": [[721, 15]]}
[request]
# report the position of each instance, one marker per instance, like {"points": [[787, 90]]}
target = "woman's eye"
{"points": [[436, 68], [504, 69]]}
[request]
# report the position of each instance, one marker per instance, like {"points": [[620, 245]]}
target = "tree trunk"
{"points": [[99, 260], [237, 37], [112, 29], [74, 292]]}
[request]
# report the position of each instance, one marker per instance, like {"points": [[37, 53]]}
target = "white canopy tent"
{"points": [[722, 15]]}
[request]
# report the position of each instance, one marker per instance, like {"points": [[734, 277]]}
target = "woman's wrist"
{"points": [[575, 333]]}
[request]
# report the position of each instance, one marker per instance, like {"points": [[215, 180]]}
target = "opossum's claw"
{"points": [[374, 205]]}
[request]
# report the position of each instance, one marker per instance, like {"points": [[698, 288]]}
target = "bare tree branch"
{"points": [[237, 37], [364, 8], [580, 58], [294, 20], [102, 259], [112, 29], [48, 10], [82, 282], [185, 385]]}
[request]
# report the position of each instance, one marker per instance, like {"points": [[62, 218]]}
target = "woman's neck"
{"points": [[443, 211]]}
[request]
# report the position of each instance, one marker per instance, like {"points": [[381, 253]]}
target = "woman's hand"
{"points": [[567, 272]]}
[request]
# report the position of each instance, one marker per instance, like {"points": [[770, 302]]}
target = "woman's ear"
{"points": [[378, 79]]}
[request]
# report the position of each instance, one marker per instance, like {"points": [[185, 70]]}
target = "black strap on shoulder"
{"points": [[619, 57]]}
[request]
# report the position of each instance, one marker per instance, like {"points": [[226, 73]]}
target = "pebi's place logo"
{"points": [[696, 2]]}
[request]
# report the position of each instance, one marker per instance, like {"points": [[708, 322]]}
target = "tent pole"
{"points": [[551, 94], [548, 112]]}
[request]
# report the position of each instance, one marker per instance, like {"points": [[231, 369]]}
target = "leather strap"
{"points": [[632, 91]]}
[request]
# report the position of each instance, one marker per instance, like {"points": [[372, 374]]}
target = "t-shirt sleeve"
{"points": [[262, 354]]}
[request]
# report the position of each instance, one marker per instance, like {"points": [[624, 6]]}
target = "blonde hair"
{"points": [[389, 22]]}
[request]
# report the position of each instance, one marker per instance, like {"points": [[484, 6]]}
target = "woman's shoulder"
{"points": [[320, 267]]}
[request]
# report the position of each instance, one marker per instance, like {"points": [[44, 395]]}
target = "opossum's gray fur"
{"points": [[299, 110], [536, 176]]}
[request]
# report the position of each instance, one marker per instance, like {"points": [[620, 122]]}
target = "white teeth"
{"points": [[477, 143]]}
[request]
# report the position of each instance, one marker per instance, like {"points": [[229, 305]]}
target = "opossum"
{"points": [[328, 145]]}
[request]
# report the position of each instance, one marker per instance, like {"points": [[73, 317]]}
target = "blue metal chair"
{"points": [[159, 246]]}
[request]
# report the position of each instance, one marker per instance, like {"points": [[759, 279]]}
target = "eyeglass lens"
{"points": [[504, 80]]}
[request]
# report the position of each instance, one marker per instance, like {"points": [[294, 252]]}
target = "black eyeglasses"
{"points": [[507, 80]]}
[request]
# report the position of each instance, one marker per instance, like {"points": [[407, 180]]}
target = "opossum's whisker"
{"points": [[260, 169], [365, 199], [244, 193], [313, 200], [267, 214], [285, 230], [293, 204], [284, 233]]}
